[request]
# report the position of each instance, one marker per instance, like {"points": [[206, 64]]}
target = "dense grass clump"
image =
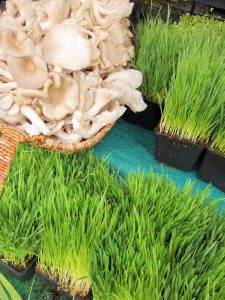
{"points": [[189, 23], [183, 66], [158, 45], [167, 244], [20, 201], [195, 100], [36, 179], [76, 210], [218, 139], [126, 238]]}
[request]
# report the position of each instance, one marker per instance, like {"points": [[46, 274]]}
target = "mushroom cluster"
{"points": [[64, 66]]}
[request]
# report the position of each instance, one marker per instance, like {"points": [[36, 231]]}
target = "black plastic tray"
{"points": [[211, 8], [52, 285], [142, 10], [212, 3], [212, 169], [23, 275], [149, 118], [179, 154]]}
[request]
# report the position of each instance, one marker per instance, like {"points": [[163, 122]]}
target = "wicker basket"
{"points": [[11, 137]]}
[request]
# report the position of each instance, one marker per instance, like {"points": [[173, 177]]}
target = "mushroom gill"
{"points": [[61, 101]]}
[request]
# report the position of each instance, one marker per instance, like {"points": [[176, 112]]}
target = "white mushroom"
{"points": [[31, 93], [5, 74], [108, 11], [116, 49], [69, 138], [29, 129], [52, 12], [102, 98], [64, 46], [10, 111], [3, 55], [6, 101], [29, 72], [55, 127], [8, 22], [125, 83], [128, 96], [21, 10], [101, 120], [56, 63], [14, 110], [17, 43], [7, 86], [36, 121], [13, 119], [61, 101], [133, 78], [86, 82]]}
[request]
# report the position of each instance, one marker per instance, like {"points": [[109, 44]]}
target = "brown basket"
{"points": [[11, 137]]}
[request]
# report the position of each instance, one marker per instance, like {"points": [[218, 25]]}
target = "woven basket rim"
{"points": [[53, 144]]}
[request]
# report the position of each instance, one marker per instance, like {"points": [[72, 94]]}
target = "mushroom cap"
{"points": [[7, 22], [61, 101], [6, 101], [52, 12], [35, 119], [132, 77], [29, 72], [14, 119], [64, 46], [16, 44]]}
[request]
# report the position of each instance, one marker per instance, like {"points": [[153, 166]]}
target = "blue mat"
{"points": [[131, 148]]}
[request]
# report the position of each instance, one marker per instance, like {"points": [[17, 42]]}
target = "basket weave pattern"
{"points": [[11, 137]]}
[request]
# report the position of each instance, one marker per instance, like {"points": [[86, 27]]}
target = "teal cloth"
{"points": [[131, 148]]}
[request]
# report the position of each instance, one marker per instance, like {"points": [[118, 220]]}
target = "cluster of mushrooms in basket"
{"points": [[64, 66]]}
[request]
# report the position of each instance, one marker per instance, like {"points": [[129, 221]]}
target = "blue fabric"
{"points": [[131, 148]]}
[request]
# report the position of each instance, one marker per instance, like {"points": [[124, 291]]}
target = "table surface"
{"points": [[131, 148]]}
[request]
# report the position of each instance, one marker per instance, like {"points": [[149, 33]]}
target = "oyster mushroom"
{"points": [[5, 75], [128, 96], [69, 138], [61, 101], [6, 87], [54, 59], [125, 83], [86, 82], [36, 121], [8, 22], [108, 11], [6, 101], [31, 93], [114, 112], [29, 129], [29, 72], [102, 98], [10, 111], [132, 77], [50, 13], [21, 10], [13, 119], [117, 49], [17, 44], [65, 46]]}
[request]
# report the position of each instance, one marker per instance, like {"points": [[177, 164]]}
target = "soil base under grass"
{"points": [[54, 285], [20, 273], [213, 169], [177, 153]]}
